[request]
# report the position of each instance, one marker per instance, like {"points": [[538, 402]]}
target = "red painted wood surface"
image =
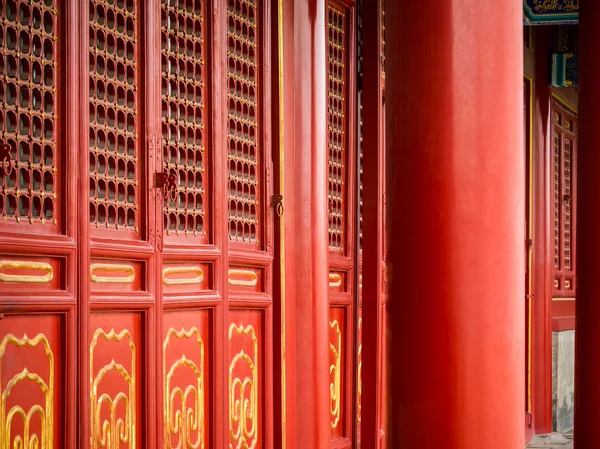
{"points": [[542, 248], [564, 199], [587, 365], [530, 318], [163, 298], [308, 415], [456, 266], [372, 254], [343, 206]]}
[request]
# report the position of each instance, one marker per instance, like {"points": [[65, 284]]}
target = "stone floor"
{"points": [[552, 441]]}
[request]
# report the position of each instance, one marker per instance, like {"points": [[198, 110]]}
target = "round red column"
{"points": [[306, 234], [456, 202], [587, 320]]}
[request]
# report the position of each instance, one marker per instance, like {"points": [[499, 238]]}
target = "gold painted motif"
{"points": [[571, 5], [44, 412], [243, 394], [25, 265], [114, 431], [187, 422], [335, 370], [545, 5], [242, 278], [111, 268], [335, 280], [197, 275]]}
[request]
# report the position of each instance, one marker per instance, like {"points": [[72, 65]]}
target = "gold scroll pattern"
{"points": [[115, 431], [28, 440], [243, 393], [545, 5], [335, 374], [359, 382], [186, 422]]}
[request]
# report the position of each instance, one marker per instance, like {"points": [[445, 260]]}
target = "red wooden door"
{"points": [[155, 300], [216, 269], [343, 207], [37, 230]]}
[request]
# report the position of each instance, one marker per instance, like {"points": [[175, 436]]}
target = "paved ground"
{"points": [[553, 441]]}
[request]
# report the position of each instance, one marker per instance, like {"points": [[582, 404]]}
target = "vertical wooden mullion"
{"points": [[152, 85], [83, 260], [220, 225]]}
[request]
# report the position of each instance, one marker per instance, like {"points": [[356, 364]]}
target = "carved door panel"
{"points": [[343, 205], [37, 230], [117, 238], [217, 227], [564, 183]]}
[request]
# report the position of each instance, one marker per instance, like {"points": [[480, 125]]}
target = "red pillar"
{"points": [[306, 236], [456, 202], [587, 321]]}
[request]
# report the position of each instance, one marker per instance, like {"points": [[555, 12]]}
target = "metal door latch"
{"points": [[168, 183], [6, 165], [278, 204]]}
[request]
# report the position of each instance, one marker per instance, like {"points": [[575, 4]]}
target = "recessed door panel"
{"points": [[31, 381], [116, 380], [187, 367], [246, 385]]}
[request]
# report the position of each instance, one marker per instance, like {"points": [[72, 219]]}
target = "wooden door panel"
{"points": [[564, 200], [116, 207], [37, 249], [116, 276], [247, 387], [185, 105], [187, 366], [116, 387], [28, 274], [338, 372], [187, 278], [32, 181], [32, 376], [343, 207]]}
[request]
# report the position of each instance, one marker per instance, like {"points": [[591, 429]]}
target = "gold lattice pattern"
{"points": [[183, 37], [336, 110], [28, 82], [114, 125], [243, 144]]}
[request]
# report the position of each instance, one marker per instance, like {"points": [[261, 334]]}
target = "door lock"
{"points": [[168, 183], [6, 165], [278, 204]]}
